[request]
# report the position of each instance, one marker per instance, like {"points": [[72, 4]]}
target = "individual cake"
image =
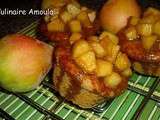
{"points": [[69, 17], [89, 71], [140, 40]]}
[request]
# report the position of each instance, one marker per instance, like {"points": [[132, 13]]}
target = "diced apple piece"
{"points": [[74, 37], [111, 36], [93, 38], [113, 80], [54, 3], [56, 26], [66, 16], [73, 9], [148, 41], [150, 19], [133, 20], [80, 47], [110, 48], [127, 72], [156, 28], [84, 19], [131, 33], [138, 67], [151, 11], [83, 8], [104, 68], [87, 61], [144, 29], [97, 48], [92, 16], [75, 26], [122, 62], [76, 4]]}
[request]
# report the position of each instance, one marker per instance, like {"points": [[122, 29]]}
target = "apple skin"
{"points": [[115, 14], [24, 62]]}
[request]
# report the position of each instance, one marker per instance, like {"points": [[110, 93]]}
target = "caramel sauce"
{"points": [[58, 80], [74, 89], [69, 67]]}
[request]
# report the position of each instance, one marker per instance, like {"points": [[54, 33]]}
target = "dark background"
{"points": [[12, 24]]}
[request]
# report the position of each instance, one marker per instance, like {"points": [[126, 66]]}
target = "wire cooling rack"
{"points": [[140, 101]]}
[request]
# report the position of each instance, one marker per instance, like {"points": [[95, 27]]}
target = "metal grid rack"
{"points": [[140, 101]]}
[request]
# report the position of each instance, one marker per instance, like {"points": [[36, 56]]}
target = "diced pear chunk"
{"points": [[66, 16], [144, 29], [127, 72], [152, 11], [148, 41], [122, 62], [56, 26], [104, 68], [84, 19], [131, 33], [87, 61], [92, 16], [74, 37], [110, 36], [93, 38], [110, 48], [73, 9], [138, 67], [80, 47], [133, 20], [113, 80], [156, 28], [150, 19], [75, 26], [97, 48]]}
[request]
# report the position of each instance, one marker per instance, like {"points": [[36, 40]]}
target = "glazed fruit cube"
{"points": [[138, 67], [156, 28], [84, 19], [87, 61], [104, 68], [110, 48], [113, 80], [148, 41], [66, 16], [80, 47], [144, 29], [122, 62], [131, 33], [133, 20], [56, 25], [75, 26], [74, 37], [97, 48], [73, 9], [127, 72], [110, 36]]}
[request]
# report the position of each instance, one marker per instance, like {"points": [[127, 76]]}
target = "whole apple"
{"points": [[24, 62]]}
